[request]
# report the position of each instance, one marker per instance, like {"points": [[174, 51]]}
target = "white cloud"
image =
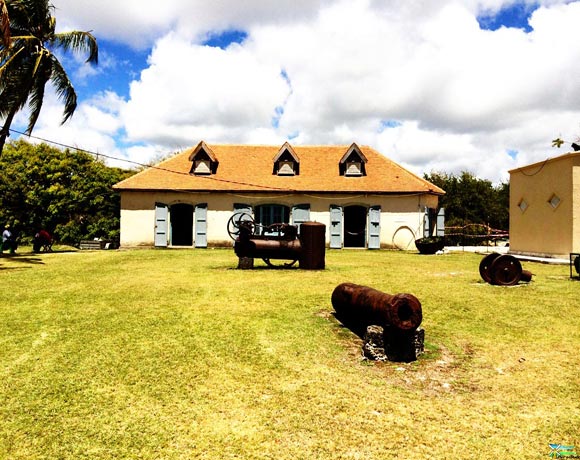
{"points": [[465, 98], [95, 125], [188, 87], [140, 22]]}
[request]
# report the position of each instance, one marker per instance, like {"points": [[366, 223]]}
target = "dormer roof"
{"points": [[352, 151], [201, 148], [352, 163], [286, 162], [286, 148], [203, 160]]}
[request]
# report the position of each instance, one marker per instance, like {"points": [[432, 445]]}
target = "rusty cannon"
{"points": [[390, 322], [503, 270], [278, 242]]}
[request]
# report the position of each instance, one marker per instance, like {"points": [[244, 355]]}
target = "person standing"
{"points": [[8, 240]]}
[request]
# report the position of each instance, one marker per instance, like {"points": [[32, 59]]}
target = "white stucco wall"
{"points": [[401, 216]]}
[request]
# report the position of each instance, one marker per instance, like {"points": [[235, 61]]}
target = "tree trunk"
{"points": [[5, 131]]}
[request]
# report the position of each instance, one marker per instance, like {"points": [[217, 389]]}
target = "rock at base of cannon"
{"points": [[374, 344], [404, 347], [245, 263], [382, 344]]}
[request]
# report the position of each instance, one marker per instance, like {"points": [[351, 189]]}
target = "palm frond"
{"points": [[79, 41], [36, 93], [18, 14], [64, 88], [27, 63], [32, 13], [15, 87], [10, 57]]}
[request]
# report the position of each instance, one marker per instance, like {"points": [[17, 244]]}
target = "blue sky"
{"points": [[122, 65], [475, 85], [516, 15]]}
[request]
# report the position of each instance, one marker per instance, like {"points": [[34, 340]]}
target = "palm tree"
{"points": [[27, 61], [4, 25]]}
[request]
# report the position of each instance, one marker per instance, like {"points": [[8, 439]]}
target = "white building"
{"points": [[364, 199]]}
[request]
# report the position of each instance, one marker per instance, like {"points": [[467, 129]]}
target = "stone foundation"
{"points": [[382, 344]]}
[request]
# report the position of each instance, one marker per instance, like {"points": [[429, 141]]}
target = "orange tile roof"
{"points": [[250, 168]]}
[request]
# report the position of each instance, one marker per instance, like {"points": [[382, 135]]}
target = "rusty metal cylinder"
{"points": [[526, 276], [268, 249], [370, 306], [313, 239], [503, 270]]}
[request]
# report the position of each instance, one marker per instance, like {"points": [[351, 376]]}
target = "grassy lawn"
{"points": [[175, 354]]}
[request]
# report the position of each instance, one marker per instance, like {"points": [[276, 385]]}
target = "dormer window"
{"points": [[203, 160], [202, 167], [353, 162], [286, 162], [286, 168], [353, 168]]}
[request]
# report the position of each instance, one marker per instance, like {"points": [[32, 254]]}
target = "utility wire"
{"points": [[110, 157], [81, 150]]}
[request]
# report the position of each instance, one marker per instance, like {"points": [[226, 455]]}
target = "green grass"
{"points": [[176, 354]]}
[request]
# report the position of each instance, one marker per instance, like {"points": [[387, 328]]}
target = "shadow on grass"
{"points": [[29, 259], [267, 268], [357, 327]]}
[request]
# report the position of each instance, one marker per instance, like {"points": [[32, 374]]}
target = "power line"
{"points": [[211, 178], [110, 157], [538, 171], [78, 148]]}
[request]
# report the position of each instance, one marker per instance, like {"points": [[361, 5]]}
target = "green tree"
{"points": [[469, 200], [28, 62], [67, 192]]}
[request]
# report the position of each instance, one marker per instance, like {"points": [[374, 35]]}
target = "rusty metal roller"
{"points": [[503, 270], [365, 304], [485, 265]]}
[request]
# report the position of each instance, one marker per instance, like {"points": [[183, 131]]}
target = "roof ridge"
{"points": [[277, 146]]}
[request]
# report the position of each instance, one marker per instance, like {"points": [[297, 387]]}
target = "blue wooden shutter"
{"points": [[201, 225], [335, 226], [441, 222], [161, 212], [374, 227], [300, 214]]}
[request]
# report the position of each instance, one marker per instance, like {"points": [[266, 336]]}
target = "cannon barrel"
{"points": [[370, 306]]}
